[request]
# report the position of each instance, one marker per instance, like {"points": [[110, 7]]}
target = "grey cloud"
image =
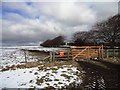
{"points": [[53, 19], [30, 30], [67, 13], [104, 9]]}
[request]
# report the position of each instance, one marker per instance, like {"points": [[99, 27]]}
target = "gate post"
{"points": [[25, 54], [102, 52], [99, 54], [53, 55], [50, 55]]}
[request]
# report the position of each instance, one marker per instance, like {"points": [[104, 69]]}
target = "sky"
{"points": [[34, 22]]}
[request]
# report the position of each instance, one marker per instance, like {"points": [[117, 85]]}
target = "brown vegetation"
{"points": [[54, 42]]}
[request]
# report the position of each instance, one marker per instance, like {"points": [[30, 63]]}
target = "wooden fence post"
{"points": [[119, 52], [99, 52], [72, 53], [53, 55], [68, 52], [107, 54], [113, 53], [25, 56], [88, 53], [50, 55], [102, 52]]}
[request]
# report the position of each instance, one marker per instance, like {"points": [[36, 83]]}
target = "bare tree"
{"points": [[108, 32], [79, 38], [83, 38]]}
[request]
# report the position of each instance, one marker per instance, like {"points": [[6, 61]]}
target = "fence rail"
{"points": [[78, 53], [87, 52]]}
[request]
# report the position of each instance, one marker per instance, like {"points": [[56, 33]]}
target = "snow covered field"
{"points": [[34, 77], [13, 55], [56, 77]]}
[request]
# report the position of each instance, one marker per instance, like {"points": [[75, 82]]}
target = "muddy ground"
{"points": [[100, 74]]}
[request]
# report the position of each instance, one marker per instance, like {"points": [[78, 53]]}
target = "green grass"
{"points": [[38, 54], [69, 69], [30, 71], [54, 69], [116, 53], [36, 73], [115, 60], [40, 67], [56, 79], [60, 83], [66, 76], [39, 81], [48, 80], [64, 71], [48, 84], [77, 73]]}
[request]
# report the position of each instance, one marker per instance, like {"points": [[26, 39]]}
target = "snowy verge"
{"points": [[40, 78]]}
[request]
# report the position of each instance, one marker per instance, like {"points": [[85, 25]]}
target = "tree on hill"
{"points": [[106, 32], [80, 38], [57, 41]]}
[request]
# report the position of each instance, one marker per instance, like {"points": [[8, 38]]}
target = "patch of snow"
{"points": [[11, 57], [26, 78], [14, 55]]}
